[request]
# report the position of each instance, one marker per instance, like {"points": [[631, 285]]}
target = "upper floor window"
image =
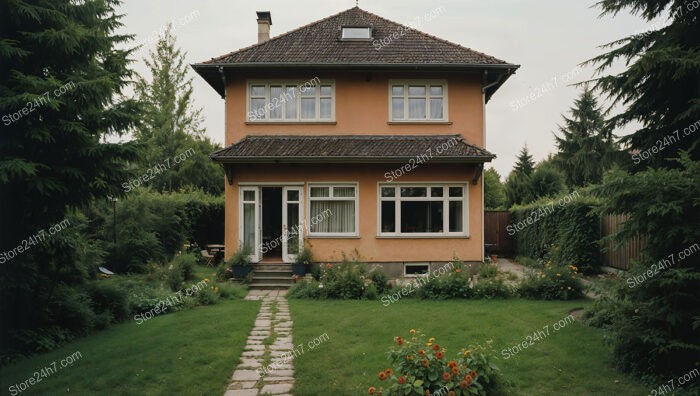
{"points": [[291, 101], [418, 100], [356, 33]]}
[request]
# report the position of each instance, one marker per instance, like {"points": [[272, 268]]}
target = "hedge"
{"points": [[565, 229]]}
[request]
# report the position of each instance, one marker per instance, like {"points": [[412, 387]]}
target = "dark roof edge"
{"points": [[258, 65], [327, 160]]}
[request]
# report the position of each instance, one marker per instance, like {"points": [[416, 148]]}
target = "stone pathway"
{"points": [[266, 363]]}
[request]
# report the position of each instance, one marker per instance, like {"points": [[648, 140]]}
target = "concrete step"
{"points": [[273, 280], [271, 274], [268, 286]]}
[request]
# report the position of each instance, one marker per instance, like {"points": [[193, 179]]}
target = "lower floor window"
{"points": [[415, 269], [336, 205], [422, 210]]}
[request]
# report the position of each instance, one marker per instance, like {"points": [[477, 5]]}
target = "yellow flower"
{"points": [[544, 276], [412, 331], [431, 339], [206, 280], [409, 357], [558, 274], [428, 343], [466, 353]]}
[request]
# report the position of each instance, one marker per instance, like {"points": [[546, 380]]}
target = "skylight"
{"points": [[357, 33]]}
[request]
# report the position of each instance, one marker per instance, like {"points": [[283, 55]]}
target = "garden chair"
{"points": [[208, 258]]}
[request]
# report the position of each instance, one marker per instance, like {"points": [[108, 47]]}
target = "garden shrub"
{"points": [[569, 232], [208, 295], [490, 288], [174, 278], [185, 263], [453, 284], [109, 299], [223, 272], [488, 271], [348, 280], [553, 282], [380, 280], [421, 367]]}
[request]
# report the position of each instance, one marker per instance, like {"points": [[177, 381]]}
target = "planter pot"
{"points": [[494, 258], [240, 272], [299, 269]]}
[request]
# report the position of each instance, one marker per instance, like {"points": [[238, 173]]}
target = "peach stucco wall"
{"points": [[362, 107], [371, 248]]}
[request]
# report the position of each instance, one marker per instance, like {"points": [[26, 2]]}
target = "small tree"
{"points": [[494, 192]]}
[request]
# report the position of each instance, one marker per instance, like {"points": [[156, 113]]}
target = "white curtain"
{"points": [[416, 108], [249, 226], [339, 218]]}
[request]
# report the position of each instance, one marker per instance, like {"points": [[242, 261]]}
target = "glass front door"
{"points": [[250, 221], [292, 230]]}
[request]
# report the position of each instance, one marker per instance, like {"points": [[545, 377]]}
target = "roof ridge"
{"points": [[284, 34]]}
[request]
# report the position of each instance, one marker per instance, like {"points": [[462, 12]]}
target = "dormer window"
{"points": [[356, 33]]}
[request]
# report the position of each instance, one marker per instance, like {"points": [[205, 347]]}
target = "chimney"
{"points": [[264, 23]]}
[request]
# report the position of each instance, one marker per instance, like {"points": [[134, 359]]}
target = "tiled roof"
{"points": [[320, 43], [352, 148]]}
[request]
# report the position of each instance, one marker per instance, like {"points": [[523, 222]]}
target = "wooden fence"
{"points": [[618, 257], [495, 232]]}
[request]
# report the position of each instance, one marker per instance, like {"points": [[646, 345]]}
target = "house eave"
{"points": [[345, 160]]}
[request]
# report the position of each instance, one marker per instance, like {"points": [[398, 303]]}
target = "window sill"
{"points": [[419, 122], [291, 123], [332, 237], [423, 237]]}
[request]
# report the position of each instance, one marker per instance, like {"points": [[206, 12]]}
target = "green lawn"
{"points": [[571, 361], [192, 352]]}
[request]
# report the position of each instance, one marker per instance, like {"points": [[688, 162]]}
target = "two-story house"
{"points": [[355, 134]]}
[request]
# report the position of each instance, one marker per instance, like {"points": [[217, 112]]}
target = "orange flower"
{"points": [[427, 392], [372, 390], [389, 371], [421, 352], [446, 376], [439, 355], [472, 374], [451, 393], [451, 364], [455, 370], [399, 340], [425, 363], [409, 357], [436, 347], [328, 265], [382, 376], [458, 270], [468, 379], [401, 380], [463, 384]]}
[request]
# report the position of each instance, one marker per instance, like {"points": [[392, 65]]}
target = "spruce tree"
{"points": [[61, 82], [654, 319], [525, 165], [586, 145]]}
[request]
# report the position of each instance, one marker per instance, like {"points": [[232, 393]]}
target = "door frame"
{"points": [[257, 255], [286, 257]]}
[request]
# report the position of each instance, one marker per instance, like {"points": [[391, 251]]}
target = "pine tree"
{"points": [[586, 147], [61, 83], [525, 164], [661, 87], [172, 125], [654, 323]]}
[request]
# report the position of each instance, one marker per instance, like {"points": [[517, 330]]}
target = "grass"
{"points": [[190, 352], [571, 361]]}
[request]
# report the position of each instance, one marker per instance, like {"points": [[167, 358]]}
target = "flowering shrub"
{"points": [[454, 284], [553, 282], [347, 280], [421, 367]]}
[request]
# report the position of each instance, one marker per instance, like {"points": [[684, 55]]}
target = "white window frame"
{"points": [[406, 275], [368, 29], [445, 209], [332, 198], [427, 84], [299, 84]]}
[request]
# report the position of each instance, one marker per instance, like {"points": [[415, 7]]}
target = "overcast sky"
{"points": [[548, 38]]}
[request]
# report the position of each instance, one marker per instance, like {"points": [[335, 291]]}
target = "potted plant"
{"points": [[301, 265], [240, 263]]}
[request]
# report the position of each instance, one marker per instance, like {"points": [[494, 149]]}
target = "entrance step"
{"points": [[271, 275]]}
